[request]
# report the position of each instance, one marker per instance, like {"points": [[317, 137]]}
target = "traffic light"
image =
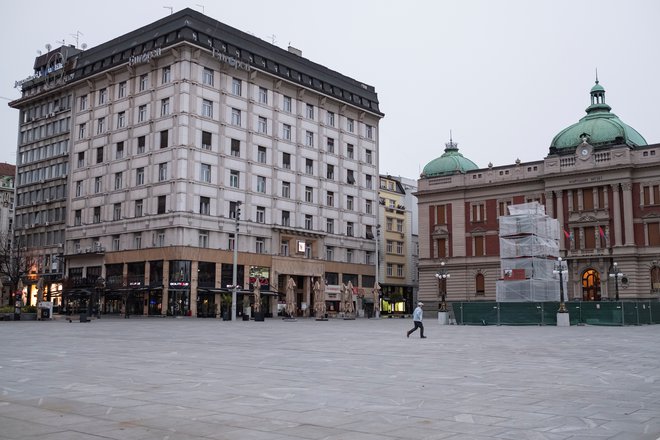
{"points": [[238, 213]]}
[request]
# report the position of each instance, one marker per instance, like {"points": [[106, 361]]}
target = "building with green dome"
{"points": [[600, 179]]}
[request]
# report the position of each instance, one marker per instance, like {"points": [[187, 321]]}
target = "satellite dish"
{"points": [[39, 52], [84, 46], [48, 47]]}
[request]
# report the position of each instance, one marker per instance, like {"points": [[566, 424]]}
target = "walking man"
{"points": [[417, 320]]}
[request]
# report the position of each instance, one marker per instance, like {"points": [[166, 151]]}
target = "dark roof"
{"points": [[7, 169], [200, 30]]}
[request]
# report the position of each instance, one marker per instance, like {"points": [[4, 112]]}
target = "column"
{"points": [[147, 282], [616, 209], [194, 275], [628, 208], [166, 283], [560, 217], [549, 209]]}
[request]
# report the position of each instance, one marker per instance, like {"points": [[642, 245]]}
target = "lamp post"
{"points": [[234, 287], [442, 276], [561, 269], [617, 275]]}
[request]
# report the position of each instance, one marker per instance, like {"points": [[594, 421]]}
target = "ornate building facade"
{"points": [[600, 180]]}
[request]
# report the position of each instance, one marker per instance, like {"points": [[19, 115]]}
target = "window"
{"points": [[330, 226], [309, 194], [349, 202], [399, 225], [205, 172], [284, 248], [203, 239], [330, 119], [207, 76], [310, 111], [368, 156], [330, 145], [116, 211], [368, 181], [83, 103], [118, 180], [369, 131], [286, 161], [286, 132], [368, 207], [399, 270], [349, 177], [234, 179], [78, 188], [350, 151], [103, 96], [478, 212], [329, 253], [235, 148], [399, 248], [308, 222], [286, 190], [115, 242], [137, 240], [160, 238], [207, 108], [98, 187], [121, 119], [166, 75], [349, 229], [144, 81], [263, 95], [309, 166], [478, 242], [309, 138], [261, 154], [234, 208], [350, 125], [204, 205], [286, 104], [369, 232], [330, 172], [232, 242], [139, 208], [119, 153], [206, 140], [77, 217], [96, 217], [286, 218], [165, 107], [99, 155], [236, 86], [142, 142], [261, 184], [261, 214], [164, 139], [162, 171], [139, 176], [236, 117], [82, 129], [330, 198], [349, 255], [260, 246], [121, 89], [262, 125], [161, 204], [142, 113], [389, 247], [389, 269]]}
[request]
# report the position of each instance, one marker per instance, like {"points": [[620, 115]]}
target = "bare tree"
{"points": [[15, 263]]}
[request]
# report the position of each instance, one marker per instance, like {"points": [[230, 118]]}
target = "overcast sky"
{"points": [[503, 76]]}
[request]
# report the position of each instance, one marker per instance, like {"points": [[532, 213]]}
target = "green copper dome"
{"points": [[598, 127], [451, 162]]}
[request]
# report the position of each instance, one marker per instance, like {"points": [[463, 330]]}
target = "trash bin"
{"points": [[83, 317], [45, 313], [246, 317]]}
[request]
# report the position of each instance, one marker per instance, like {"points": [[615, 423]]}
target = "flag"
{"points": [[601, 232], [567, 234]]}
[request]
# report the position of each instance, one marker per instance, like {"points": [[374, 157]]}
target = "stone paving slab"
{"points": [[172, 379]]}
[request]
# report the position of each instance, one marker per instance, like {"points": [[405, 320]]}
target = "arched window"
{"points": [[591, 285], [480, 284], [655, 279]]}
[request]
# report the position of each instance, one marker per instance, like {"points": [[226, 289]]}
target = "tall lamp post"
{"points": [[561, 269], [234, 286], [617, 275], [442, 276]]}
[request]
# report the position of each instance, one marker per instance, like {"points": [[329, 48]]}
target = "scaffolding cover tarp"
{"points": [[533, 267], [528, 246], [528, 290], [542, 226], [531, 208]]}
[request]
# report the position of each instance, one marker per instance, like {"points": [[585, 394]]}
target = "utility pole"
{"points": [[234, 287]]}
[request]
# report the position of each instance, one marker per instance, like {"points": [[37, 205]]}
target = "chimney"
{"points": [[295, 51]]}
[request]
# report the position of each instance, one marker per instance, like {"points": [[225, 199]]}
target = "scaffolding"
{"points": [[529, 248]]}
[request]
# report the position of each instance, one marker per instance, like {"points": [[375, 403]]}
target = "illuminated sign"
{"points": [[233, 62], [144, 57]]}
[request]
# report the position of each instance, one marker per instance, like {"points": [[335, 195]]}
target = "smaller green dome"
{"points": [[451, 162]]}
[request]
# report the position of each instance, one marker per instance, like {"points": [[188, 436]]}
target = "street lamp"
{"points": [[442, 276], [617, 275], [237, 216], [561, 269]]}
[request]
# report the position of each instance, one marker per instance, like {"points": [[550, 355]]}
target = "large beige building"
{"points": [[141, 158], [600, 180]]}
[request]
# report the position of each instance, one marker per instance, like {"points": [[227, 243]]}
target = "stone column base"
{"points": [[563, 320]]}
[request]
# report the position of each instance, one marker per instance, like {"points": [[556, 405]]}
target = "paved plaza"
{"points": [[170, 379]]}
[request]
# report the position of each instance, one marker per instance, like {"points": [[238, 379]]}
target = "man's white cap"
{"points": [[420, 303]]}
